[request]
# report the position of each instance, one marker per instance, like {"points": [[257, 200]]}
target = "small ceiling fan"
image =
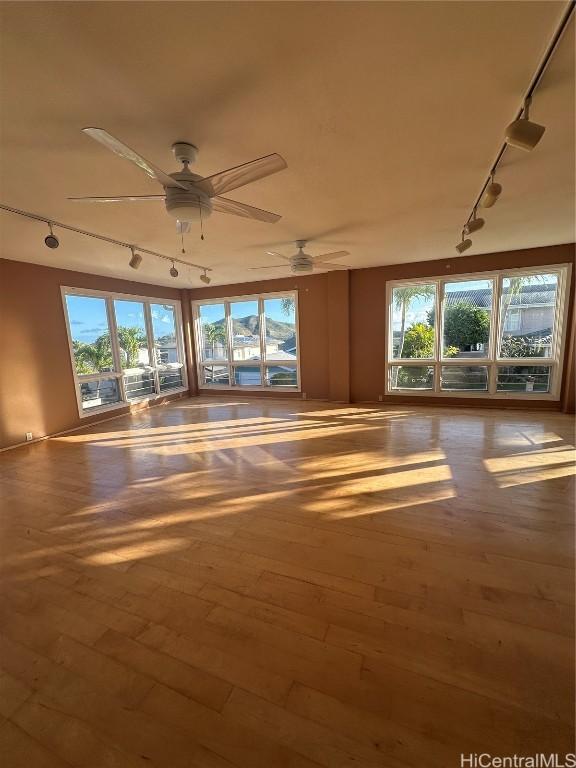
{"points": [[302, 262], [187, 195]]}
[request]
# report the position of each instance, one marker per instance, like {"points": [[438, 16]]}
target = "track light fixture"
{"points": [[473, 224], [173, 271], [136, 259], [205, 279], [491, 193], [523, 133], [51, 241], [463, 245]]}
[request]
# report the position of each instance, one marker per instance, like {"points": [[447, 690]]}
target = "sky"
{"points": [[88, 320]]}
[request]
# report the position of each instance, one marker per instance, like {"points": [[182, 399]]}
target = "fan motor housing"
{"points": [[185, 205]]}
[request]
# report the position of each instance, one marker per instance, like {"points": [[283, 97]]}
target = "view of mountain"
{"points": [[247, 326]]}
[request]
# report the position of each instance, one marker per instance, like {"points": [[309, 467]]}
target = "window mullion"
{"points": [[151, 347], [115, 347], [438, 308], [262, 326], [229, 342]]}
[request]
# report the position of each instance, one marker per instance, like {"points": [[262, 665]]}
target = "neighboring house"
{"points": [[531, 311]]}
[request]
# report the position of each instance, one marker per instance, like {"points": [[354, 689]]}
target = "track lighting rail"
{"points": [[535, 82], [131, 246]]}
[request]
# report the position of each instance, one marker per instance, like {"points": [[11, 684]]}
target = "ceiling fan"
{"points": [[187, 195], [302, 262]]}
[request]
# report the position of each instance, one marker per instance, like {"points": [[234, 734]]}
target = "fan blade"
{"points": [[116, 146], [225, 205], [120, 199], [332, 266], [182, 227], [275, 253], [334, 255], [232, 178], [271, 266]]}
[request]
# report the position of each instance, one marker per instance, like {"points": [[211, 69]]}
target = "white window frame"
{"points": [[118, 373], [491, 361], [230, 363]]}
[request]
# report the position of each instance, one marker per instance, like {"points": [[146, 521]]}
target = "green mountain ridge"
{"points": [[248, 326]]}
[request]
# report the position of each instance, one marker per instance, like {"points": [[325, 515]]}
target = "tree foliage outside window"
{"points": [[419, 341], [466, 325]]}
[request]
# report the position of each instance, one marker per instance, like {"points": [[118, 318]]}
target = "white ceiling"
{"points": [[389, 116]]}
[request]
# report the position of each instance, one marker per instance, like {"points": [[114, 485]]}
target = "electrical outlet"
{"points": [[380, 398], [28, 436], [304, 395]]}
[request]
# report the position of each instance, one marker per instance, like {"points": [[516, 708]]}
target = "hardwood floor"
{"points": [[281, 584]]}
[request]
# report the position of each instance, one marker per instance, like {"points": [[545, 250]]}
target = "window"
{"points": [[498, 334], [124, 348], [248, 342]]}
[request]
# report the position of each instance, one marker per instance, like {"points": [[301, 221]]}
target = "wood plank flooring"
{"points": [[280, 584]]}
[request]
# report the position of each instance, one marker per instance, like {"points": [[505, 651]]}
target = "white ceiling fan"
{"points": [[187, 195], [302, 262]]}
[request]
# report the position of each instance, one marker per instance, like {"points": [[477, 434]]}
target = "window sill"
{"points": [[474, 395], [127, 403]]}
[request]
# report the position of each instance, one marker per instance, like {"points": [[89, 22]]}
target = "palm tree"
{"points": [[213, 334], [131, 340], [403, 297], [95, 357]]}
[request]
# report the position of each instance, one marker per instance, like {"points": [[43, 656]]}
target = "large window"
{"points": [[498, 334], [124, 348], [248, 342]]}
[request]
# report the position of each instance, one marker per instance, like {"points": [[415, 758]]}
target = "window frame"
{"points": [[118, 373], [230, 363], [492, 360]]}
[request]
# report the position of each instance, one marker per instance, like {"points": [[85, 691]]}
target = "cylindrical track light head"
{"points": [[136, 260], [523, 133], [205, 279], [173, 271], [51, 241], [473, 225], [491, 194], [464, 245]]}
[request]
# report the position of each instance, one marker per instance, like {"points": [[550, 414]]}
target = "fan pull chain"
{"points": [[201, 222], [182, 237]]}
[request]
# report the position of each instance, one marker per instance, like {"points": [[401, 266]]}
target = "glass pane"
{"points": [[411, 377], [413, 321], [167, 361], [528, 304], [281, 376], [245, 330], [247, 376], [462, 377], [467, 316], [90, 334], [216, 374], [213, 332], [132, 335], [523, 378], [133, 347], [96, 394], [280, 316]]}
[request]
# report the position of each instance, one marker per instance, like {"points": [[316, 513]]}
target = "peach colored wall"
{"points": [[369, 317], [342, 321], [36, 381]]}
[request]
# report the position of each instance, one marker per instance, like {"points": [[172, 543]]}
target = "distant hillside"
{"points": [[248, 326]]}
